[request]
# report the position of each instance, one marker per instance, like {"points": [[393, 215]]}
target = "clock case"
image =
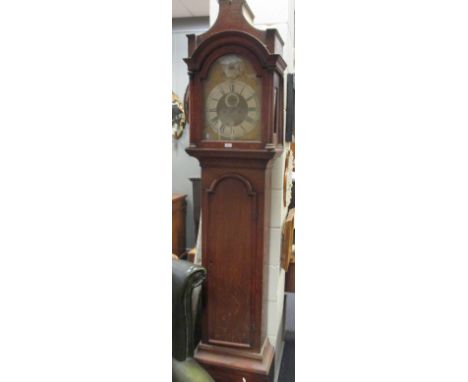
{"points": [[236, 201]]}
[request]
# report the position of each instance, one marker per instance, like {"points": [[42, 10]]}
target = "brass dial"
{"points": [[232, 109], [232, 101]]}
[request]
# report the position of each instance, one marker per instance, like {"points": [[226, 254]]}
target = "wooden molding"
{"points": [[228, 365]]}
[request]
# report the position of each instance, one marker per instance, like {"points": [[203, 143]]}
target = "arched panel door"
{"points": [[230, 245]]}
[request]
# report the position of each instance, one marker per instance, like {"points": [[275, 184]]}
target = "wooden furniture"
{"points": [[290, 108], [290, 282], [236, 114], [179, 206], [287, 240], [196, 197]]}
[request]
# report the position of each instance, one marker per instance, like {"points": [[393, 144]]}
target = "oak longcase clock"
{"points": [[236, 131]]}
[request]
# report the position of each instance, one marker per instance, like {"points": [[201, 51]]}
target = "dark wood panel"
{"points": [[290, 283], [290, 109], [231, 214], [178, 223]]}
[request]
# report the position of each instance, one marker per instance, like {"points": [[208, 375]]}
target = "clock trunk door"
{"points": [[230, 254], [232, 101]]}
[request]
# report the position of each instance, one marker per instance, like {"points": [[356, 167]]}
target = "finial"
{"points": [[236, 6]]}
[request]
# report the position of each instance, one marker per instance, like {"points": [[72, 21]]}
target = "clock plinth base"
{"points": [[232, 365]]}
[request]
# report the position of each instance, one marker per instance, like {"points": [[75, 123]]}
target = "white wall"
{"points": [[183, 165]]}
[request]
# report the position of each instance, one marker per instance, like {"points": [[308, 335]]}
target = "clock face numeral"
{"points": [[232, 109]]}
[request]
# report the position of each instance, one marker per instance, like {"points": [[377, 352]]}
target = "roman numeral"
{"points": [[252, 109], [231, 88], [248, 119], [248, 99]]}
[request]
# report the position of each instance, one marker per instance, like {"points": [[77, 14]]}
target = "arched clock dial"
{"points": [[232, 109], [232, 105]]}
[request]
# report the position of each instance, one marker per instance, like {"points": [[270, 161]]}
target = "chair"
{"points": [[186, 286]]}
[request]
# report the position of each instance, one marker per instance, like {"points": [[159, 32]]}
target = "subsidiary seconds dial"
{"points": [[232, 109]]}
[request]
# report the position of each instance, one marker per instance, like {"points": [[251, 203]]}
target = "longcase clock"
{"points": [[236, 114]]}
